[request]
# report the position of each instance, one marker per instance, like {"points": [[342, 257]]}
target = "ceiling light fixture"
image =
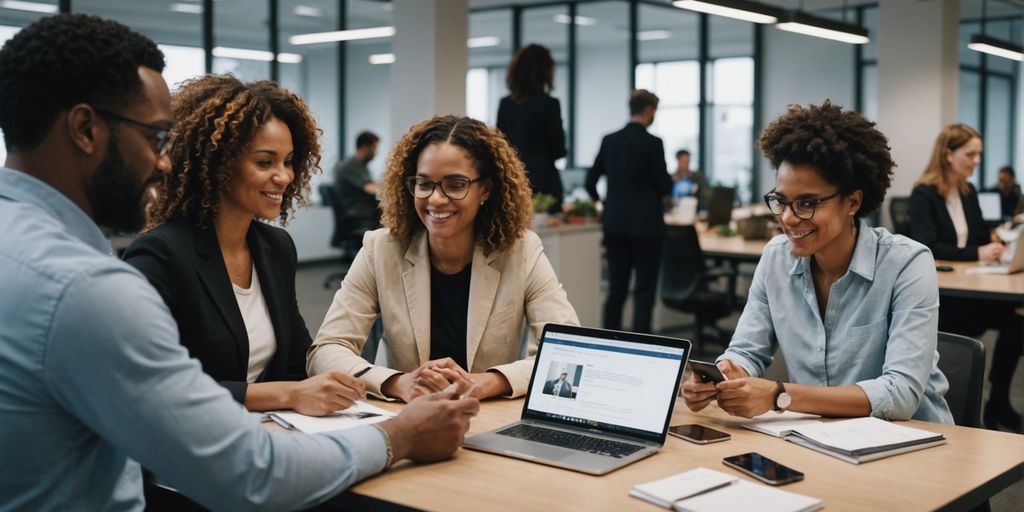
{"points": [[483, 42], [992, 46], [307, 11], [382, 58], [342, 35], [30, 6], [186, 8], [583, 21], [802, 23], [653, 35], [746, 10], [244, 54]]}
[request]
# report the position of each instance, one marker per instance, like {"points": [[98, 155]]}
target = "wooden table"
{"points": [[972, 466]]}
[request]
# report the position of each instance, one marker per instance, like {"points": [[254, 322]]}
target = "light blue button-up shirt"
{"points": [[93, 378], [879, 331]]}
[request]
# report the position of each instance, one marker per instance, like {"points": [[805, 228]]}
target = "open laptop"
{"points": [[1011, 265], [598, 400]]}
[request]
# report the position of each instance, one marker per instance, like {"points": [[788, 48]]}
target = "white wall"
{"points": [[802, 69]]}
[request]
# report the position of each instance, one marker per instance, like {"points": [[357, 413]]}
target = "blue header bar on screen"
{"points": [[624, 347]]}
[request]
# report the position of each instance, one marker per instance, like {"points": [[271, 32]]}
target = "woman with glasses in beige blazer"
{"points": [[453, 275]]}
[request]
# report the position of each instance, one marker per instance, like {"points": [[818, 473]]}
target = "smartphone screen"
{"points": [[763, 468], [698, 433], [708, 371]]}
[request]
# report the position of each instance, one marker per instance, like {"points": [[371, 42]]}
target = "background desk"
{"points": [[971, 467]]}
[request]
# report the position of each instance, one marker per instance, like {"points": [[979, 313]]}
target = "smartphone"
{"points": [[708, 371], [763, 468], [698, 433]]}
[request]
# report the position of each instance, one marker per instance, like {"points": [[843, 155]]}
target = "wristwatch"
{"points": [[782, 399]]}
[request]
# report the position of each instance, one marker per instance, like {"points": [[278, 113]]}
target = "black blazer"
{"points": [[931, 225], [534, 128], [638, 180], [185, 265]]}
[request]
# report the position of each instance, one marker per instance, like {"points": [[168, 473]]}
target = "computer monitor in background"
{"points": [[991, 210], [720, 205]]}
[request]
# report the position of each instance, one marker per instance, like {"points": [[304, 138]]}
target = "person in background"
{"points": [[356, 190], [452, 275], [532, 120], [946, 217], [1009, 193], [633, 162], [95, 380], [208, 249], [689, 182], [852, 308]]}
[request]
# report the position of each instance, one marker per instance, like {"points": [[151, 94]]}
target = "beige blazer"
{"points": [[505, 289]]}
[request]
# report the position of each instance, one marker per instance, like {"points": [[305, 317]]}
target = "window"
{"points": [[602, 75], [729, 142], [490, 50], [241, 41]]}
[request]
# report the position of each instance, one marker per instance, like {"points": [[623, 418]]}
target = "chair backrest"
{"points": [[329, 195], [962, 361], [682, 263], [899, 212]]}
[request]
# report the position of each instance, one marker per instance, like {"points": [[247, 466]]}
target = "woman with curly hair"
{"points": [[853, 308], [452, 275], [240, 153], [946, 217]]}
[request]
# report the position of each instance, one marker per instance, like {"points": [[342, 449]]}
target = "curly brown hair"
{"points": [[216, 117], [532, 71], [508, 210], [845, 148]]}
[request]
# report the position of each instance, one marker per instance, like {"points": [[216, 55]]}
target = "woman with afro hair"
{"points": [[453, 275], [854, 309]]}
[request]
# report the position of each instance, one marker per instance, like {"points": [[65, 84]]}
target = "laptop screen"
{"points": [[991, 209], [610, 381]]}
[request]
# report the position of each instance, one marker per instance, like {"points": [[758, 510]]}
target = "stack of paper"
{"points": [[703, 489], [361, 413], [779, 424], [669, 490], [863, 439]]}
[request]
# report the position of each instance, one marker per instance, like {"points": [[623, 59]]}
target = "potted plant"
{"points": [[582, 210]]}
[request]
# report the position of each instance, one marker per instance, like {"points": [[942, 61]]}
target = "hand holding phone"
{"points": [[763, 468], [708, 372], [698, 434]]}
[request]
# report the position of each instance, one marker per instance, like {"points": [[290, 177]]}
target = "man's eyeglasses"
{"points": [[453, 187], [161, 137], [803, 208]]}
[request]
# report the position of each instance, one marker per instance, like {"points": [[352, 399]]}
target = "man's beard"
{"points": [[116, 193]]}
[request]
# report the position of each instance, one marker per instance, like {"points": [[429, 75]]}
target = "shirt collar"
{"points": [[864, 253], [23, 188]]}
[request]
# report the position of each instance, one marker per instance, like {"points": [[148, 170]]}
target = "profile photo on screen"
{"points": [[563, 379]]}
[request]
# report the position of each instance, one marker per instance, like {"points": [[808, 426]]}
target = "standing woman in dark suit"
{"points": [[240, 153], [532, 120], [946, 217]]}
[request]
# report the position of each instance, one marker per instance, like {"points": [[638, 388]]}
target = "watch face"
{"points": [[784, 400]]}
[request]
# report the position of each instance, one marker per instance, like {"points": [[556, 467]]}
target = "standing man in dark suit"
{"points": [[634, 226]]}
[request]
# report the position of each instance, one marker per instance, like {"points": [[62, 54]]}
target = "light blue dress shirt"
{"points": [[94, 378], [879, 332]]}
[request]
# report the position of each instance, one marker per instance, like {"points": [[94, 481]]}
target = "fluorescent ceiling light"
{"points": [[305, 10], [653, 35], [187, 8], [342, 35], [985, 44], [242, 53], [30, 6], [745, 10], [382, 58], [580, 20], [483, 41], [803, 23]]}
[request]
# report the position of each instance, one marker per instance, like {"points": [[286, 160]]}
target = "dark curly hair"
{"points": [[216, 117], [532, 71], [845, 148], [60, 61], [508, 211]]}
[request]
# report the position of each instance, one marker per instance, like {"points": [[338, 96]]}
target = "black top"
{"points": [[350, 176], [534, 128], [931, 225], [1008, 203], [634, 163], [185, 265], [449, 310]]}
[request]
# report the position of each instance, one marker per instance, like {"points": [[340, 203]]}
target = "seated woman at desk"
{"points": [[946, 217], [853, 308], [240, 153], [453, 273]]}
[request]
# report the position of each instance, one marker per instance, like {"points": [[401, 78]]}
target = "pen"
{"points": [[361, 372], [281, 422]]}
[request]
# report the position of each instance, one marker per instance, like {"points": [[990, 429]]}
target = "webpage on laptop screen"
{"points": [[605, 383]]}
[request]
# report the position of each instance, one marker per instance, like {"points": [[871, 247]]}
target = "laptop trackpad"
{"points": [[543, 451]]}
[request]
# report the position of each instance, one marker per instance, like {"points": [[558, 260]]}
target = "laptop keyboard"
{"points": [[572, 441]]}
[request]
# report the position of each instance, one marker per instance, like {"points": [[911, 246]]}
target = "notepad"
{"points": [[863, 439], [669, 490], [779, 424], [745, 495], [361, 413]]}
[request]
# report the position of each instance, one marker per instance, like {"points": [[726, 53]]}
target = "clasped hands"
{"points": [[436, 375], [741, 395]]}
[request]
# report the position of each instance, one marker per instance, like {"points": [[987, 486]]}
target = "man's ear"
{"points": [[84, 128]]}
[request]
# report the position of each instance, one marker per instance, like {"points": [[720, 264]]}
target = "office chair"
{"points": [[962, 361], [347, 235], [899, 212], [684, 279]]}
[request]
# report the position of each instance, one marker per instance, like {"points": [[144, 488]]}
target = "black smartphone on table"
{"points": [[699, 434], [708, 372], [763, 468]]}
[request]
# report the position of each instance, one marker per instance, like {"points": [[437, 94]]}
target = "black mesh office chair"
{"points": [[347, 235], [899, 212], [962, 361], [684, 280]]}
